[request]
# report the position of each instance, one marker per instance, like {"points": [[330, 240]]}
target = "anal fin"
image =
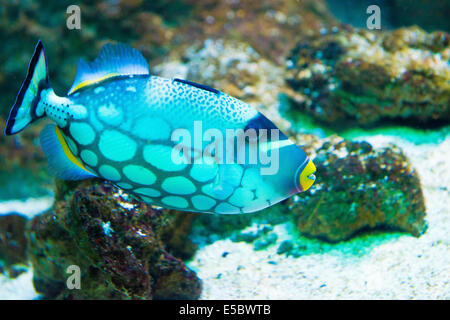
{"points": [[61, 162]]}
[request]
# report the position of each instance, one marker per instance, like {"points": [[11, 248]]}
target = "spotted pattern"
{"points": [[202, 202], [71, 144], [217, 192], [150, 127], [78, 111], [147, 199], [226, 208], [250, 178], [148, 192], [89, 157], [110, 114], [82, 133], [109, 173], [139, 174], [175, 201], [99, 90], [178, 185], [241, 197], [203, 172], [124, 185], [125, 138], [160, 156], [116, 146]]}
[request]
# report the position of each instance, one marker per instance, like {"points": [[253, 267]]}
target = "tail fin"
{"points": [[24, 110]]}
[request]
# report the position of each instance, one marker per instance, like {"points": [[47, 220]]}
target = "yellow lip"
{"points": [[307, 176]]}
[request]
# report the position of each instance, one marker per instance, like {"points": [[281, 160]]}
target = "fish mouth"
{"points": [[307, 177]]}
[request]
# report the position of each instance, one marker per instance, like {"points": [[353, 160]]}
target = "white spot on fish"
{"points": [[99, 89], [178, 185], [71, 144], [148, 192], [226, 208], [89, 157], [201, 202], [150, 127], [82, 133], [109, 173], [241, 196], [251, 178], [110, 114], [217, 192], [160, 156], [131, 88], [175, 201], [124, 185], [116, 146], [139, 174], [78, 111], [204, 171], [147, 199]]}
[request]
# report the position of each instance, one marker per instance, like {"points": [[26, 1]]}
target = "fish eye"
{"points": [[307, 176]]}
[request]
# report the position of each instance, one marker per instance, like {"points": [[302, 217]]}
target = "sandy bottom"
{"points": [[376, 266], [21, 288]]}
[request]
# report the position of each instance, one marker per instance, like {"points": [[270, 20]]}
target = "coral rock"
{"points": [[360, 188], [370, 76], [115, 241], [13, 243]]}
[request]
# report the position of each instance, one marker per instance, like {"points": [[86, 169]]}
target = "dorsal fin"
{"points": [[197, 85], [113, 60]]}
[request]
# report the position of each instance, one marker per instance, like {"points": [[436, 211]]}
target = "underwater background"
{"points": [[370, 107]]}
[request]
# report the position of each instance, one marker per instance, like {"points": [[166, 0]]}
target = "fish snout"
{"points": [[307, 176]]}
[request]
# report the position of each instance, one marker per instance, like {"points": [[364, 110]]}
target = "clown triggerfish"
{"points": [[169, 142]]}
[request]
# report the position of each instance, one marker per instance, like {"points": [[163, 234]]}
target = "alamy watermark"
{"points": [[74, 280], [239, 146], [74, 19], [374, 20]]}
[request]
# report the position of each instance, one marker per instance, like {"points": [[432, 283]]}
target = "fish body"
{"points": [[168, 142]]}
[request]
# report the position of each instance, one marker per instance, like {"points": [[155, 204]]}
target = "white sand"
{"points": [[21, 288], [29, 207]]}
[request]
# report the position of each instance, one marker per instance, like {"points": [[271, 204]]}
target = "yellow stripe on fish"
{"points": [[67, 151], [91, 82]]}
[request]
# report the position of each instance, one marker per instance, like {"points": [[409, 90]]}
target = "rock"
{"points": [[175, 235], [13, 243], [251, 235], [285, 247], [265, 241], [360, 188], [368, 77], [115, 241], [270, 27]]}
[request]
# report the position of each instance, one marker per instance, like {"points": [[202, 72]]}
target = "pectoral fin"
{"points": [[61, 161]]}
